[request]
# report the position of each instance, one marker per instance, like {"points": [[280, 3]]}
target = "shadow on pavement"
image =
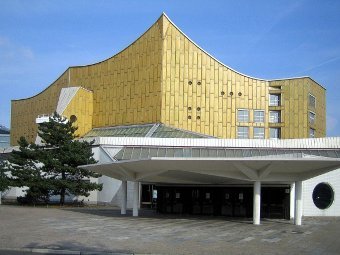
{"points": [[152, 214]]}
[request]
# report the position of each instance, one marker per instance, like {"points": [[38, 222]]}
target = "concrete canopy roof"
{"points": [[217, 171], [280, 161]]}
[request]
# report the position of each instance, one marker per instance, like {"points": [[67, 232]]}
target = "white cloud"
{"points": [[12, 52]]}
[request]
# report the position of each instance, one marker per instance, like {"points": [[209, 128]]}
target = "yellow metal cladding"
{"points": [[25, 111], [126, 89], [164, 77], [201, 94], [295, 107], [81, 106]]}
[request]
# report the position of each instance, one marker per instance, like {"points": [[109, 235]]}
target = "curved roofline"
{"points": [[248, 76], [164, 14], [96, 63], [13, 100]]}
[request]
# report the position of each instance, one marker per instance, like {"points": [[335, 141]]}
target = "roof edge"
{"points": [[220, 62]]}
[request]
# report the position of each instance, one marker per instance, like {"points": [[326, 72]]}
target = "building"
{"points": [[4, 137], [167, 114]]}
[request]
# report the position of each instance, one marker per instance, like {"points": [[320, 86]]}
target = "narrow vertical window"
{"points": [[311, 118], [312, 101], [275, 133]]}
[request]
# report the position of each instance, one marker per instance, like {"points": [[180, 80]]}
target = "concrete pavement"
{"points": [[103, 230]]}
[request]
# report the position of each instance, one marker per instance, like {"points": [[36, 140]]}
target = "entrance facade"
{"points": [[222, 201]]}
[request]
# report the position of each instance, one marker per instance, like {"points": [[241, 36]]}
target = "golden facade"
{"points": [[164, 77]]}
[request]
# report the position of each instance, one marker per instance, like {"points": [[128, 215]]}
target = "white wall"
{"points": [[13, 193], [309, 209], [111, 192]]}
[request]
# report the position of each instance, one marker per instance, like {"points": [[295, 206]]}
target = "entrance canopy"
{"points": [[214, 161]]}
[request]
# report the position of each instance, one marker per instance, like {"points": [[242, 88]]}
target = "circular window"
{"points": [[189, 82], [323, 195]]}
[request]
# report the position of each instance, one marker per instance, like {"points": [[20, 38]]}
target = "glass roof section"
{"points": [[147, 130], [145, 152], [167, 132], [121, 131]]}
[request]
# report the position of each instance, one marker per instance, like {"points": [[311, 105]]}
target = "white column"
{"points": [[292, 200], [257, 203], [124, 198], [135, 199], [298, 203]]}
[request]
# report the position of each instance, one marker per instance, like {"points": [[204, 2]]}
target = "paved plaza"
{"points": [[102, 229]]}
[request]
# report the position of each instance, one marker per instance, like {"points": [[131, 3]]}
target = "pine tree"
{"points": [[26, 171], [62, 156], [4, 178], [52, 168]]}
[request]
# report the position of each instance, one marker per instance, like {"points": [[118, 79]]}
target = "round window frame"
{"points": [[331, 200]]}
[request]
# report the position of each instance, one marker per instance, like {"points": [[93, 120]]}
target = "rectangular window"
{"points": [[243, 115], [258, 133], [274, 116], [311, 133], [274, 99], [259, 116], [311, 118], [312, 101], [243, 132], [275, 133]]}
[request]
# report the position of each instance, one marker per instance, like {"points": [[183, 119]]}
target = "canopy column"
{"points": [[257, 203], [124, 197], [292, 201], [135, 199], [298, 203]]}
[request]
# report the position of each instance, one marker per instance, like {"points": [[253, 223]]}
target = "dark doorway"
{"points": [[222, 201]]}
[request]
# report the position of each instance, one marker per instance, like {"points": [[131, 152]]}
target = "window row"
{"points": [[259, 116], [259, 133]]}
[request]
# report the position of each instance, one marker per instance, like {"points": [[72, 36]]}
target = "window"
{"points": [[312, 101], [274, 116], [311, 133], [243, 132], [274, 99], [258, 133], [259, 116], [275, 133], [311, 118], [323, 196], [243, 115]]}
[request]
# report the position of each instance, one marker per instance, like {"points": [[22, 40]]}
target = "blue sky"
{"points": [[264, 39]]}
